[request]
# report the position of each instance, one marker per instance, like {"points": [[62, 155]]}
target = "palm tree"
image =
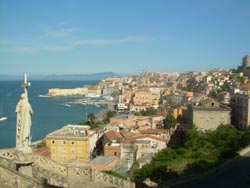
{"points": [[91, 118]]}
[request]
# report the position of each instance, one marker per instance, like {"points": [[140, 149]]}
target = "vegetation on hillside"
{"points": [[202, 151], [169, 122], [148, 112], [110, 114]]}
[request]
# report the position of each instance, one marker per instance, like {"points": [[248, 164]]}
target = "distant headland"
{"points": [[94, 76]]}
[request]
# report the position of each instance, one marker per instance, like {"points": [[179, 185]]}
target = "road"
{"points": [[234, 175]]}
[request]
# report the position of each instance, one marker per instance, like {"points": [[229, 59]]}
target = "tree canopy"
{"points": [[91, 118], [169, 122], [202, 151]]}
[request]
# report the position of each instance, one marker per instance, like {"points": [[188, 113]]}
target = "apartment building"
{"points": [[71, 142]]}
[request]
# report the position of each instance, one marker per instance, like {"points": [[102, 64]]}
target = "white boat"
{"points": [[44, 96], [66, 105], [92, 95], [109, 98], [2, 118]]}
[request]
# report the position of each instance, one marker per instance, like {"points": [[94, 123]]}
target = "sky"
{"points": [[122, 36]]}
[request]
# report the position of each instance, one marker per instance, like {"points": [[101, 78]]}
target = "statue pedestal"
{"points": [[24, 162]]}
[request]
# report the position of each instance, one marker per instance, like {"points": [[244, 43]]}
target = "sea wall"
{"points": [[67, 92], [75, 91]]}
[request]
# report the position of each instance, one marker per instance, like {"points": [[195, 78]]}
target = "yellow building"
{"points": [[144, 97], [71, 142]]}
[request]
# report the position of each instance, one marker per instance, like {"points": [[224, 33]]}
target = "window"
{"points": [[80, 143], [53, 141], [72, 142], [53, 149], [60, 142], [64, 142], [115, 153]]}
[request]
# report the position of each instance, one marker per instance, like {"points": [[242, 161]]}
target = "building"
{"points": [[102, 163], [208, 117], [71, 142], [112, 149], [146, 98], [241, 110], [141, 148], [245, 67], [246, 61], [138, 122]]}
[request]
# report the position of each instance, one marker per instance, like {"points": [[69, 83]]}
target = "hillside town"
{"points": [[148, 113]]}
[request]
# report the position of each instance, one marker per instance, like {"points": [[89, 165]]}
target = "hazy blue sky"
{"points": [[123, 36]]}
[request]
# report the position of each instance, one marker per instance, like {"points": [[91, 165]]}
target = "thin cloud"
{"points": [[34, 47], [101, 42], [59, 38], [62, 33], [57, 31]]}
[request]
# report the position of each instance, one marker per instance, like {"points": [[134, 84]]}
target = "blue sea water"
{"points": [[49, 114]]}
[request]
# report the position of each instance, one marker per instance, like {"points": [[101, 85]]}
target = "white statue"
{"points": [[23, 121]]}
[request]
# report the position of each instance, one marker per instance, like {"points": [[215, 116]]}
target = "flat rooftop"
{"points": [[103, 160], [71, 131]]}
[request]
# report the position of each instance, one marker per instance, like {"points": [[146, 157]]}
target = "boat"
{"points": [[66, 105], [44, 96], [92, 95], [108, 97], [1, 117]]}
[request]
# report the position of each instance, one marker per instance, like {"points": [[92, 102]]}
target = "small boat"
{"points": [[66, 105], [1, 117], [44, 96]]}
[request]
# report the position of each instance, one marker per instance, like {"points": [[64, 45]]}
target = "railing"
{"points": [[50, 165], [106, 178], [80, 172], [7, 153], [93, 175], [10, 178], [58, 173]]}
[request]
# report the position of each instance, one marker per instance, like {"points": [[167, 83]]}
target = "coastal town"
{"points": [[124, 94], [147, 113]]}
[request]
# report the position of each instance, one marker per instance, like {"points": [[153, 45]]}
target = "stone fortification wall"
{"points": [[206, 119], [67, 92]]}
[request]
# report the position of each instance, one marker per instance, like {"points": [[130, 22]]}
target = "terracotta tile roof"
{"points": [[154, 131], [45, 151], [143, 137], [208, 101], [113, 135], [123, 132], [126, 134]]}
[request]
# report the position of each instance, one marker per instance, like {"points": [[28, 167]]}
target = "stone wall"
{"points": [[206, 119]]}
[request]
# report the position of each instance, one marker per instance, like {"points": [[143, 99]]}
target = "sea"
{"points": [[49, 113]]}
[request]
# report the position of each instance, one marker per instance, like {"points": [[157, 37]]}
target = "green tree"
{"points": [[110, 114], [91, 118], [245, 138], [226, 139], [149, 112], [169, 122]]}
